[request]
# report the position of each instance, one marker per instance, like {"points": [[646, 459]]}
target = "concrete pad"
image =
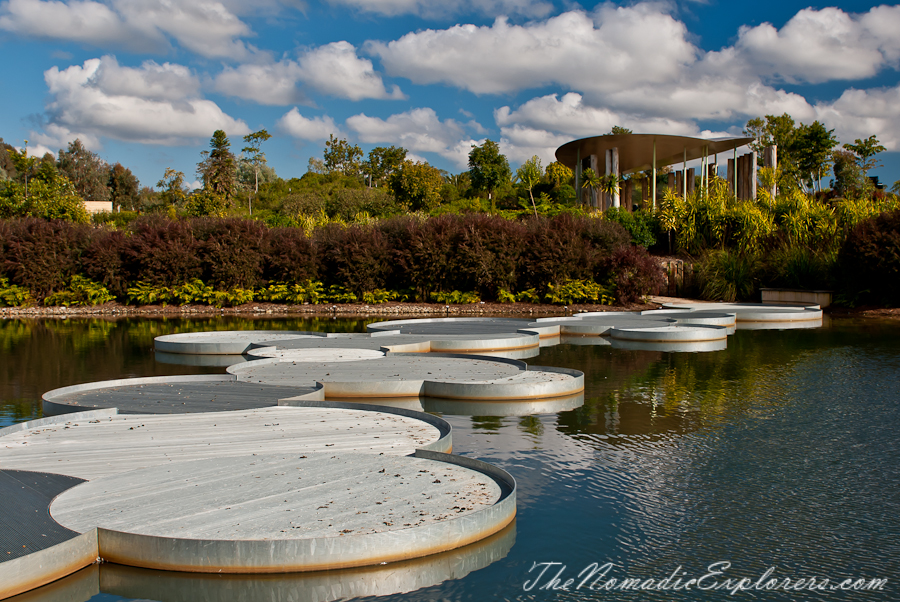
{"points": [[600, 323], [284, 513], [94, 448], [757, 312], [218, 342], [671, 334], [315, 355]]}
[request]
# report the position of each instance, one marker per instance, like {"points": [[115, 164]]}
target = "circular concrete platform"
{"points": [[285, 513], [315, 355], [219, 342], [671, 334]]}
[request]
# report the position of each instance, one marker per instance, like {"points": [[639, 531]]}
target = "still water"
{"points": [[778, 454]]}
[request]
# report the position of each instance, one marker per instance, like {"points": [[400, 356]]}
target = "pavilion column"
{"points": [[729, 176], [645, 192], [596, 196], [670, 182], [770, 160], [627, 191], [679, 182], [578, 175], [753, 176], [612, 168], [653, 183], [690, 181]]}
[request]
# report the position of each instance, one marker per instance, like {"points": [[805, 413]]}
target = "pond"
{"points": [[778, 456]]}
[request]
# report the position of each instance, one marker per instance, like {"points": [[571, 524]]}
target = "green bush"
{"points": [[455, 298], [578, 291], [81, 291], [12, 295], [728, 275]]}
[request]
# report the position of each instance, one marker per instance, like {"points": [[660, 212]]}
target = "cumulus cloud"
{"points": [[152, 104], [614, 49], [862, 113], [334, 69], [823, 45], [304, 128], [426, 8], [206, 27], [418, 130]]}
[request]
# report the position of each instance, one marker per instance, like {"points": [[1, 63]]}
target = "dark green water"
{"points": [[781, 451]]}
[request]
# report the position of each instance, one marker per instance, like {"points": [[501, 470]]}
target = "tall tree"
{"points": [[341, 156], [529, 174], [382, 162], [123, 188], [812, 149], [417, 186], [86, 170], [218, 167], [39, 190], [488, 168], [590, 180], [256, 157], [617, 129], [866, 150], [172, 183]]}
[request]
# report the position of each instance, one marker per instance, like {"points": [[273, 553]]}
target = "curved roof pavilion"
{"points": [[638, 152]]}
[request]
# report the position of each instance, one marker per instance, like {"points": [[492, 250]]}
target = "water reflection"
{"points": [[320, 586], [191, 359]]}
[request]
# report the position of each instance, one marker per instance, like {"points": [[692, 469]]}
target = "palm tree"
{"points": [[610, 184], [590, 180]]}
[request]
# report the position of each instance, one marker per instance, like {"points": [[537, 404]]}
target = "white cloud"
{"points": [[429, 8], [862, 113], [206, 27], [333, 69], [418, 130], [823, 45], [317, 128], [153, 104], [617, 48]]}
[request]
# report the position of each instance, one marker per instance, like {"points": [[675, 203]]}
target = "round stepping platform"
{"points": [[316, 355], [433, 375], [286, 513], [677, 346], [518, 407], [671, 334], [601, 323], [91, 447], [395, 342], [208, 361], [218, 342], [169, 395], [757, 312]]}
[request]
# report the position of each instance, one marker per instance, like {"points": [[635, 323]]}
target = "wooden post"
{"points": [[753, 175], [627, 191], [679, 183], [653, 183], [612, 168], [578, 175], [729, 175], [670, 181], [690, 181], [770, 160]]}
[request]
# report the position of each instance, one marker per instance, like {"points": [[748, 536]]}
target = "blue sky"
{"points": [[146, 82]]}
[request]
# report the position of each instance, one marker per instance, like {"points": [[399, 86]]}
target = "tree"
{"points": [[123, 187], [848, 178], [173, 187], [812, 149], [341, 156], [257, 157], [39, 190], [529, 174], [416, 186], [218, 169], [590, 180], [488, 168], [86, 170], [617, 129], [866, 150], [558, 173], [382, 162]]}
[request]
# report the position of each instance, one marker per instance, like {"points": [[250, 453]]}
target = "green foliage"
{"points": [[86, 170], [416, 186], [340, 294], [643, 226], [147, 293], [380, 295], [124, 188], [205, 203], [341, 156], [455, 297], [728, 275], [40, 190], [81, 291], [174, 190], [558, 174], [218, 168], [529, 175], [865, 150], [309, 291], [578, 291], [488, 168], [382, 162], [12, 295], [527, 296]]}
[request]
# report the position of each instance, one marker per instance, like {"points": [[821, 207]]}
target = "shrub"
{"points": [[869, 262], [642, 226], [231, 251], [104, 260], [290, 256], [455, 297], [163, 252], [489, 253], [12, 295], [81, 291], [554, 251], [354, 257], [578, 291], [728, 275], [44, 255], [634, 273]]}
